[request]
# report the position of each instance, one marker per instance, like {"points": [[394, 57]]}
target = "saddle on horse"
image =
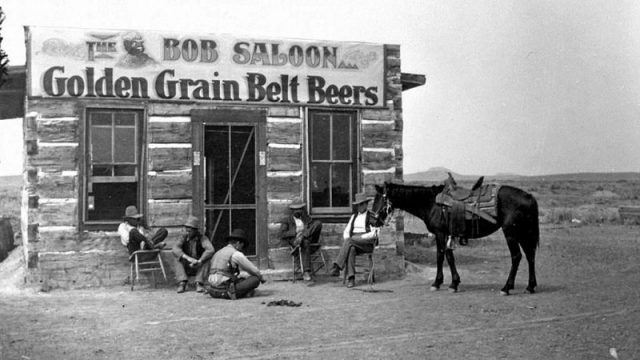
{"points": [[460, 204]]}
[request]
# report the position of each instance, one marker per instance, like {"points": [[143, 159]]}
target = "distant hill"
{"points": [[11, 180], [439, 174]]}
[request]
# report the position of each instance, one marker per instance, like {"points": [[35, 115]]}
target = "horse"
{"points": [[516, 214]]}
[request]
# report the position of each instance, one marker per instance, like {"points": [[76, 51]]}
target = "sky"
{"points": [[523, 87]]}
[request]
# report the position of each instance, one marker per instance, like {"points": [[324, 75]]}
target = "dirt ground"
{"points": [[586, 307]]}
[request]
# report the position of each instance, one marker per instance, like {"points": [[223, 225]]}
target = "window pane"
{"points": [[341, 137], [219, 218], [243, 191], [125, 118], [320, 137], [340, 185], [99, 170], [217, 160], [110, 200], [124, 170], [245, 219], [101, 145], [102, 119], [125, 145], [320, 185]]}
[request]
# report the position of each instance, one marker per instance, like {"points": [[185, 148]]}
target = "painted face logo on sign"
{"points": [[135, 56]]}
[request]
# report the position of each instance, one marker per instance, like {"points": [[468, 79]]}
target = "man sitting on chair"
{"points": [[300, 229], [133, 236], [193, 253], [359, 238]]}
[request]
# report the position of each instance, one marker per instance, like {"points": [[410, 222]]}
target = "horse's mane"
{"points": [[413, 193]]}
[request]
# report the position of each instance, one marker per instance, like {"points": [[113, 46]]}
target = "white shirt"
{"points": [[123, 231], [359, 227], [299, 225]]}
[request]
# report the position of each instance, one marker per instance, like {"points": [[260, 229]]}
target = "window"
{"points": [[332, 161], [112, 174]]}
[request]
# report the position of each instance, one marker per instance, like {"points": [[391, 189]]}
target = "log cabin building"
{"points": [[230, 129]]}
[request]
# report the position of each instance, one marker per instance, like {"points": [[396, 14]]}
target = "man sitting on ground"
{"points": [[299, 229], [133, 236], [193, 253], [224, 279], [359, 238]]}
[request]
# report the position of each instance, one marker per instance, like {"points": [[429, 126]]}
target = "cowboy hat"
{"points": [[132, 212], [192, 222], [360, 198], [238, 234], [297, 203]]}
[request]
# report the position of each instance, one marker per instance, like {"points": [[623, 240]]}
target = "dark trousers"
{"points": [[244, 285], [240, 287], [311, 235], [136, 238], [183, 271], [347, 255]]}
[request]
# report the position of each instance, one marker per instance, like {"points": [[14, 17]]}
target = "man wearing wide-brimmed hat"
{"points": [[360, 237], [133, 233], [225, 280], [193, 254], [300, 229]]}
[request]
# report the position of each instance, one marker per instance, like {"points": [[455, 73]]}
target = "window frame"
{"points": [[85, 166], [329, 213]]}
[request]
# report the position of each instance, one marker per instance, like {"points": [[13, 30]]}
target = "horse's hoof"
{"points": [[453, 290], [531, 290], [434, 288], [504, 293]]}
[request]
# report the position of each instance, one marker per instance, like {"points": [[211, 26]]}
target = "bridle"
{"points": [[387, 208]]}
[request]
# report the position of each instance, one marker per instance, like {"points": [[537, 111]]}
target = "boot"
{"points": [[182, 287], [335, 270]]}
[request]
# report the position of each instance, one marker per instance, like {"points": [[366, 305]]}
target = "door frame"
{"points": [[226, 116]]}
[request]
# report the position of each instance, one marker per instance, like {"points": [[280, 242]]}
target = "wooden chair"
{"points": [[316, 256], [145, 261], [368, 267]]}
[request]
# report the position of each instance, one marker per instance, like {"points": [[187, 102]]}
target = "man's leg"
{"points": [[341, 259], [314, 230], [244, 286], [159, 236], [202, 275], [351, 263], [181, 275], [136, 238], [312, 237]]}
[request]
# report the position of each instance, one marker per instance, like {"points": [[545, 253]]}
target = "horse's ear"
{"points": [[453, 181], [478, 183]]}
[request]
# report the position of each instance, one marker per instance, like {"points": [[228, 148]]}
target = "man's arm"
{"points": [[177, 248], [245, 264], [208, 249], [287, 231]]}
